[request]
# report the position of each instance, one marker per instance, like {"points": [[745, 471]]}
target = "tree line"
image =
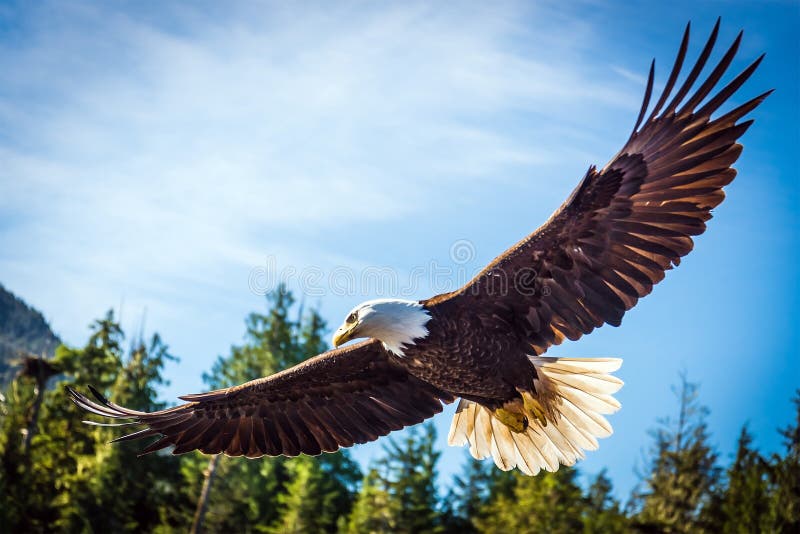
{"points": [[58, 474]]}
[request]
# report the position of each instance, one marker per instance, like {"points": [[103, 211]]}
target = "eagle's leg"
{"points": [[512, 415], [517, 422], [533, 406]]}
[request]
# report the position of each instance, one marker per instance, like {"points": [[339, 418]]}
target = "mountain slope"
{"points": [[22, 328]]}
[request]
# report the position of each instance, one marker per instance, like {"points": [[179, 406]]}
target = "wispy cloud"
{"points": [[157, 153]]}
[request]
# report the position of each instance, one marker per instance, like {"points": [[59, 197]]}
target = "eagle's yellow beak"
{"points": [[343, 335]]}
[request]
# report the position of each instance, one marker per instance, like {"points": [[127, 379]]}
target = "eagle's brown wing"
{"points": [[626, 224], [350, 395]]}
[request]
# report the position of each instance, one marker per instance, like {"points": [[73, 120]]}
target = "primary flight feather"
{"points": [[597, 255]]}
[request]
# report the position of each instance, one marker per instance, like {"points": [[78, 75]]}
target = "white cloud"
{"points": [[160, 157], [157, 158]]}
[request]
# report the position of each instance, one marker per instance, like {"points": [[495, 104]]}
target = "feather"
{"points": [[483, 434], [501, 445], [713, 78], [673, 75], [529, 459], [145, 433], [458, 429], [95, 423], [695, 72], [546, 447], [647, 94], [157, 445]]}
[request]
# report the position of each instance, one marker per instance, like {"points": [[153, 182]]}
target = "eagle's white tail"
{"points": [[574, 393]]}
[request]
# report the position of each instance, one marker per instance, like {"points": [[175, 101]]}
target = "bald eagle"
{"points": [[613, 239]]}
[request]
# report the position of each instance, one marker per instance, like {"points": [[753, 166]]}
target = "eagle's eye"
{"points": [[351, 318]]}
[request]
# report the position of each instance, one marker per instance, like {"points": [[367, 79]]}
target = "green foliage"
{"points": [[70, 479], [785, 478], [548, 502], [744, 503], [399, 494], [475, 494], [315, 498], [60, 475], [683, 469], [410, 468], [602, 513], [375, 509]]}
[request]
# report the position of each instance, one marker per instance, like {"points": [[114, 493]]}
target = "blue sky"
{"points": [[164, 157]]}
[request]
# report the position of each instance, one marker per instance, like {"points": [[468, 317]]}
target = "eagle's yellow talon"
{"points": [[533, 406], [517, 422]]}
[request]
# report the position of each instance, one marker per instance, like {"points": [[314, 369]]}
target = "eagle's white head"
{"points": [[396, 323]]}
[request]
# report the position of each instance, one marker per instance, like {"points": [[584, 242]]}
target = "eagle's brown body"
{"points": [[485, 363], [606, 247]]}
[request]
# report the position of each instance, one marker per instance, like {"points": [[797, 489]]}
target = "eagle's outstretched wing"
{"points": [[626, 224], [350, 395]]}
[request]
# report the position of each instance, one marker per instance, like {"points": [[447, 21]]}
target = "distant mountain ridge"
{"points": [[22, 328]]}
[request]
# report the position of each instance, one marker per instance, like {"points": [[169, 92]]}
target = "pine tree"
{"points": [[411, 480], [548, 502], [744, 503], [682, 472], [785, 501], [469, 494], [603, 513], [313, 497], [399, 493], [305, 503], [374, 511], [474, 492]]}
